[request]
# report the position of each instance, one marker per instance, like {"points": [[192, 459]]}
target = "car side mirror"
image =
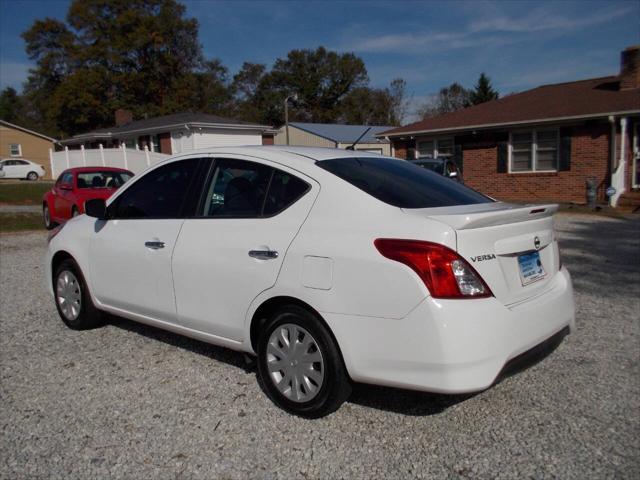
{"points": [[453, 174], [65, 186], [96, 208]]}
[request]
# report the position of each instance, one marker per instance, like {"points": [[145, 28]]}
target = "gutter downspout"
{"points": [[619, 174]]}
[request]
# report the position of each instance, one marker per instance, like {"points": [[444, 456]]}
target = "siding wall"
{"points": [[186, 140], [301, 138], [34, 148]]}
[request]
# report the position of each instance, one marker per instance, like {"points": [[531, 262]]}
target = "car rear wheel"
{"points": [[300, 365], [32, 176], [72, 297], [46, 217]]}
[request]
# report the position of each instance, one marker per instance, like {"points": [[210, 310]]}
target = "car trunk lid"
{"points": [[505, 243]]}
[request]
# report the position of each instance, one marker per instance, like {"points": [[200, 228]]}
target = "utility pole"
{"points": [[293, 97]]}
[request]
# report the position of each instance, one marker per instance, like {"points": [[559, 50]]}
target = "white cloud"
{"points": [[541, 20], [493, 31]]}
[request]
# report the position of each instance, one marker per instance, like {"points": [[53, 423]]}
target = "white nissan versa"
{"points": [[330, 265]]}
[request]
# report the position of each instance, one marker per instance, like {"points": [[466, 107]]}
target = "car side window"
{"points": [[21, 162], [161, 193], [284, 190], [66, 179], [237, 189]]}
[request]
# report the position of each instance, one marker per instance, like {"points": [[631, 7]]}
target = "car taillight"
{"points": [[445, 273]]}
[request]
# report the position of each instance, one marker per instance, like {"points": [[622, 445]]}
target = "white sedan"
{"points": [[21, 168], [331, 266]]}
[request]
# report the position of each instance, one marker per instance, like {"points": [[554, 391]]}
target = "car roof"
{"points": [[98, 168], [287, 155]]}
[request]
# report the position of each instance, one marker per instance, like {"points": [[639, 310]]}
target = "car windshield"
{"points": [[401, 183], [434, 166], [102, 179]]}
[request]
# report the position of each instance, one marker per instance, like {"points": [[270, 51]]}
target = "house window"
{"points": [[533, 151], [15, 150], [130, 143], [155, 143], [439, 147]]}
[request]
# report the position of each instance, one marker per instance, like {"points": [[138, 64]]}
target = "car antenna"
{"points": [[352, 147]]}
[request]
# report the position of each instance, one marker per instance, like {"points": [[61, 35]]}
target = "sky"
{"points": [[430, 44]]}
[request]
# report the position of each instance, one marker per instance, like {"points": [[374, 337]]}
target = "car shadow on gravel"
{"points": [[396, 400], [220, 354]]}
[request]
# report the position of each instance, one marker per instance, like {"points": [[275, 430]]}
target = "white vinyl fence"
{"points": [[134, 160]]}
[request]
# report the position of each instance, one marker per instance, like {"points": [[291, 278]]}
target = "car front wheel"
{"points": [[300, 365], [72, 297], [32, 176]]}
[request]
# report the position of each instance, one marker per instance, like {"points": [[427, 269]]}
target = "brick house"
{"points": [[542, 144]]}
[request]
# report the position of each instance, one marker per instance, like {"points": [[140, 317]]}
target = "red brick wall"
{"points": [[589, 158], [267, 139], [400, 148]]}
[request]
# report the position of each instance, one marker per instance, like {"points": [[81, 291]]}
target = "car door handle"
{"points": [[154, 244], [263, 254]]}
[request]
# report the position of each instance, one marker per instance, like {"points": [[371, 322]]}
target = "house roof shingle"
{"points": [[166, 121], [595, 97], [26, 130]]}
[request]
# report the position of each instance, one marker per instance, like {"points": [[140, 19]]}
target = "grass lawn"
{"points": [[22, 193], [18, 222]]}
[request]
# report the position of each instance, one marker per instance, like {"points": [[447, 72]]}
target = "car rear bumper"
{"points": [[451, 346]]}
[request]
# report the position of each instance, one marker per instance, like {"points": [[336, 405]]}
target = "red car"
{"points": [[77, 185]]}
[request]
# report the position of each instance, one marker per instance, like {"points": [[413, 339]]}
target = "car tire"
{"points": [[72, 297], [74, 211], [46, 217], [313, 381], [32, 176]]}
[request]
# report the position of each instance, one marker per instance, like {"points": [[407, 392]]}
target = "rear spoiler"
{"points": [[489, 214]]}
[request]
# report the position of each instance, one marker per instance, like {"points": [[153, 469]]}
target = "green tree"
{"points": [[483, 91], [11, 106], [449, 99], [320, 78], [143, 55], [375, 106], [250, 88]]}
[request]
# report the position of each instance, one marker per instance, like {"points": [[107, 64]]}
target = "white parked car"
{"points": [[330, 265], [21, 168]]}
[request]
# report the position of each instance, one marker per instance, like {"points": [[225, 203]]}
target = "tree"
{"points": [[449, 99], [399, 101], [371, 106], [483, 91], [248, 89], [320, 78], [143, 55], [366, 106], [11, 107]]}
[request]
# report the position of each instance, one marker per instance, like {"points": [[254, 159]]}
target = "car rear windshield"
{"points": [[102, 179], [401, 183]]}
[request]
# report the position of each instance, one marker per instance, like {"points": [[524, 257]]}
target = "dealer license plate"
{"points": [[531, 268]]}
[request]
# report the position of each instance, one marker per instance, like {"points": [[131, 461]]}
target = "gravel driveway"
{"points": [[130, 401]]}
